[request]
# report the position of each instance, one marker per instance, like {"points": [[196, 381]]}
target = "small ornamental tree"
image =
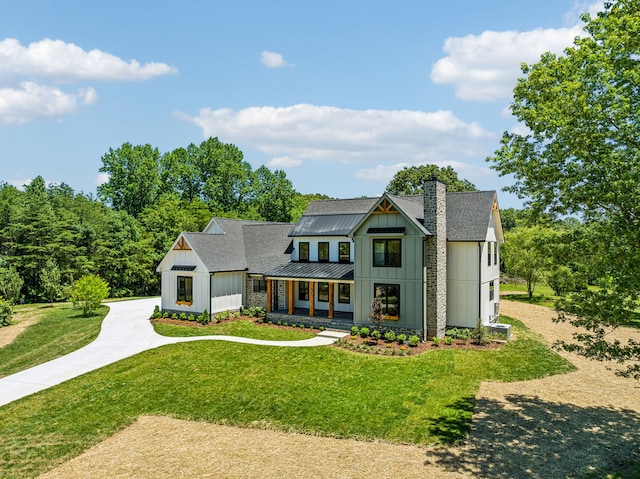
{"points": [[10, 283], [376, 314], [6, 313], [88, 293]]}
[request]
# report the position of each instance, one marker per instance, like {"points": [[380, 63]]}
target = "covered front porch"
{"points": [[318, 294]]}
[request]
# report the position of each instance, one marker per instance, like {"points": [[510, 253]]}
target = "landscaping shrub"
{"points": [[448, 340], [414, 340], [156, 312], [390, 336], [191, 317], [401, 338], [436, 341], [365, 332], [183, 316], [6, 313], [355, 331], [479, 334], [88, 293], [174, 316], [165, 314], [375, 334]]}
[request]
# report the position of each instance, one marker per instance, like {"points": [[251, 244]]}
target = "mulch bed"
{"points": [[352, 343]]}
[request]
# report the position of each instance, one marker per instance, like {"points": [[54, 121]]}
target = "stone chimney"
{"points": [[435, 221]]}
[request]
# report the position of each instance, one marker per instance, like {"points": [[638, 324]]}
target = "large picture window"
{"points": [[387, 252], [389, 295], [344, 252], [303, 254], [323, 252], [344, 293], [323, 292], [303, 290], [185, 289]]}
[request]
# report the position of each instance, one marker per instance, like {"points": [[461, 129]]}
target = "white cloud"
{"points": [[58, 61], [31, 101], [102, 178], [273, 60], [28, 75], [285, 162], [310, 132], [485, 67]]}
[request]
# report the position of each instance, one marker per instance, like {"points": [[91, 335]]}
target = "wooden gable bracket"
{"points": [[385, 207], [495, 205], [182, 245]]}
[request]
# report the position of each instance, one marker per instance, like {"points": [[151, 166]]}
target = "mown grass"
{"points": [[59, 330], [542, 294], [420, 399], [242, 328]]}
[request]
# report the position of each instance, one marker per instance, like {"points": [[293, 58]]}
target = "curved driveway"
{"points": [[125, 331]]}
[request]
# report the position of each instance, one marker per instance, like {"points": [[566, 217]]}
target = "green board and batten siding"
{"points": [[409, 276]]}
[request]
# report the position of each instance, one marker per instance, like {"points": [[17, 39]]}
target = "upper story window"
{"points": [[344, 252], [489, 248], [323, 252], [303, 254], [495, 255], [387, 252], [492, 289]]}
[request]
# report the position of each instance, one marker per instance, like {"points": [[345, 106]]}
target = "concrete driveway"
{"points": [[125, 331]]}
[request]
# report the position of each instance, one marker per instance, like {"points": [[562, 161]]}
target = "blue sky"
{"points": [[339, 94]]}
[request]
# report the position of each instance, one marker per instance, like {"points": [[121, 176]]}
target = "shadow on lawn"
{"points": [[526, 437]]}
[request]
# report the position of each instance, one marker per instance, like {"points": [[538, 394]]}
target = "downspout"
{"points": [[479, 315]]}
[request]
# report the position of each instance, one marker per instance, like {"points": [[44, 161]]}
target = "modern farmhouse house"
{"points": [[431, 259]]}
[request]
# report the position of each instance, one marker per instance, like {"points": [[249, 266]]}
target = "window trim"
{"points": [[340, 293], [385, 304], [387, 254], [321, 286], [341, 258], [321, 246], [492, 289], [300, 248], [185, 299], [303, 290], [495, 254], [259, 285]]}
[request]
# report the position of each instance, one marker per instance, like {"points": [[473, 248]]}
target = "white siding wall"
{"points": [[462, 284], [313, 247], [489, 273], [169, 284], [226, 291]]}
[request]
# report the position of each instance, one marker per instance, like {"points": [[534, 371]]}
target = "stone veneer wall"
{"points": [[435, 221], [253, 299]]}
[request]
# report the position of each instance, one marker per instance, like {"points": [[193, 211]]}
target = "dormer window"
{"points": [[344, 252], [303, 254], [323, 252]]}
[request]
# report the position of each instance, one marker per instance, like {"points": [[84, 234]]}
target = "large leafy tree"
{"points": [[525, 254], [274, 194], [409, 180], [134, 174], [581, 156]]}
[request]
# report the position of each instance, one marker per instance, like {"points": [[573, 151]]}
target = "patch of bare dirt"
{"points": [[561, 426], [21, 321]]}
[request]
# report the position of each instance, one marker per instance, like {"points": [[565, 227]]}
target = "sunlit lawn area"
{"points": [[322, 390], [243, 328], [58, 330]]}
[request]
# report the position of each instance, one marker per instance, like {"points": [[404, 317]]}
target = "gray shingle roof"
{"points": [[469, 214], [253, 246], [313, 271]]}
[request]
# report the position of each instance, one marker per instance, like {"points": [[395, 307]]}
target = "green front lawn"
{"points": [[421, 399], [59, 330], [242, 328]]}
